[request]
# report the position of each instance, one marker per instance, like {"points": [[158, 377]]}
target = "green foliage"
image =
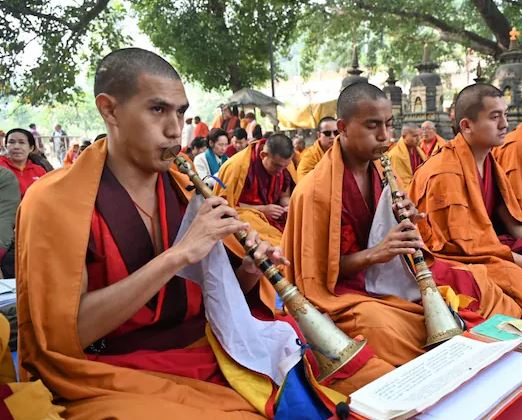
{"points": [[392, 33], [61, 33], [222, 44]]}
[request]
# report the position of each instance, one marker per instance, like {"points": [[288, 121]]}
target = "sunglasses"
{"points": [[329, 133]]}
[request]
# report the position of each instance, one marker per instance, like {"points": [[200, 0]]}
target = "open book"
{"points": [[421, 383]]}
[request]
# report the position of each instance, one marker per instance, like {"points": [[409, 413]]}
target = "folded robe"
{"points": [[312, 242], [457, 226], [405, 162], [509, 157], [309, 158]]}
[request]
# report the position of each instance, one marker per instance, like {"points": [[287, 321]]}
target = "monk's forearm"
{"points": [[102, 311], [513, 226], [353, 263]]}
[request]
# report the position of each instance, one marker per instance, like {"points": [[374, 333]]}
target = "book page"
{"points": [[426, 379], [488, 389]]}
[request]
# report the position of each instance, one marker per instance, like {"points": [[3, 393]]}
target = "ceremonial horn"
{"points": [[440, 322], [332, 348]]}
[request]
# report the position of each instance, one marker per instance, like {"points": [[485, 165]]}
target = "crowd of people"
{"points": [[108, 317]]}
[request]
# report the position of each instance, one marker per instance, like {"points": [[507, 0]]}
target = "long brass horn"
{"points": [[332, 348], [440, 322]]}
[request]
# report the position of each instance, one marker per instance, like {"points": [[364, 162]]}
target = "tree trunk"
{"points": [[235, 81]]}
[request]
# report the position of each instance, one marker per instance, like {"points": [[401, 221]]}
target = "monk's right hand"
{"points": [[214, 221], [402, 239], [273, 211]]}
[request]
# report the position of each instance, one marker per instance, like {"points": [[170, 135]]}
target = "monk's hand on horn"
{"points": [[402, 239], [214, 221], [264, 249], [405, 208]]}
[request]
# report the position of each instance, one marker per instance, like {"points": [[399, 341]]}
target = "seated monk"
{"points": [[299, 147], [509, 157], [327, 233], [259, 181], [431, 142], [473, 215], [407, 156], [106, 323], [326, 132]]}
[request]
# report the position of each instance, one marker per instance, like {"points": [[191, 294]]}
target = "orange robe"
{"points": [[312, 242], [404, 164], [457, 226], [50, 348], [309, 158], [233, 174], [509, 157], [200, 130], [432, 148], [70, 157]]}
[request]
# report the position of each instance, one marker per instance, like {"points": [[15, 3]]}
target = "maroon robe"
{"points": [[261, 188], [415, 159], [155, 337], [356, 221], [492, 200]]}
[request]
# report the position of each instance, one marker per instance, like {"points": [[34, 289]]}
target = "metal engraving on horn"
{"points": [[332, 348], [440, 322]]}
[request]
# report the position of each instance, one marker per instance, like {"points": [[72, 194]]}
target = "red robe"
{"points": [[492, 200], [415, 158], [156, 337], [356, 221], [261, 188]]}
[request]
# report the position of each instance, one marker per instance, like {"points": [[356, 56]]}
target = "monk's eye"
{"points": [[371, 126], [181, 112], [157, 109]]}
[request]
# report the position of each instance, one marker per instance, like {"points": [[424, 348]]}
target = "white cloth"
{"points": [[187, 135], [203, 169], [266, 347], [394, 277]]}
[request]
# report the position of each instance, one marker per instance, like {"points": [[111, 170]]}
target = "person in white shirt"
{"points": [[188, 133], [208, 163]]}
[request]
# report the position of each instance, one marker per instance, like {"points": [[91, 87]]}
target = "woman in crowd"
{"points": [[208, 163], [19, 144]]}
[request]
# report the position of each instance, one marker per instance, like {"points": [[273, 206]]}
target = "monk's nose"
{"points": [[174, 127]]}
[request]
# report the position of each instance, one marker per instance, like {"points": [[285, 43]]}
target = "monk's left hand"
{"points": [[264, 248], [410, 211]]}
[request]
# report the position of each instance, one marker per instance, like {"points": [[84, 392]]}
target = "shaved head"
{"points": [[117, 73], [409, 128], [428, 124], [350, 96], [280, 145], [470, 101]]}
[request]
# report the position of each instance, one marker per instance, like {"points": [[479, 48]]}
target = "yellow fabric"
{"points": [[233, 173], [255, 388], [306, 116], [400, 159], [440, 142], [452, 299], [7, 371], [309, 158]]}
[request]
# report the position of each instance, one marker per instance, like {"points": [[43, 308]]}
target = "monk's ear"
{"points": [[465, 125], [341, 126], [106, 105]]}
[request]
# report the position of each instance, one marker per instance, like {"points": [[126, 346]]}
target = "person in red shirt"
{"points": [[239, 142], [19, 144]]}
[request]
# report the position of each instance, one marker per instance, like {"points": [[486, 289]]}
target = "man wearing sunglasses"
{"points": [[326, 133]]}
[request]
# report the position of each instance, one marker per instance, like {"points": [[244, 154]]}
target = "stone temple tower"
{"points": [[508, 78], [394, 94], [354, 73]]}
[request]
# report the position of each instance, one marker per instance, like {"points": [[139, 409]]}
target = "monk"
{"points": [[230, 121], [509, 157], [259, 181], [407, 156], [326, 132], [431, 142], [327, 233], [237, 143], [127, 339], [473, 215], [200, 128]]}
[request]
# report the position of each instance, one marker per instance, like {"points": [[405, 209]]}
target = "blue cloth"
{"points": [[213, 163], [298, 400]]}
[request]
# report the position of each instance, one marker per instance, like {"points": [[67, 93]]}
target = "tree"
{"points": [[395, 31], [220, 43], [68, 36]]}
